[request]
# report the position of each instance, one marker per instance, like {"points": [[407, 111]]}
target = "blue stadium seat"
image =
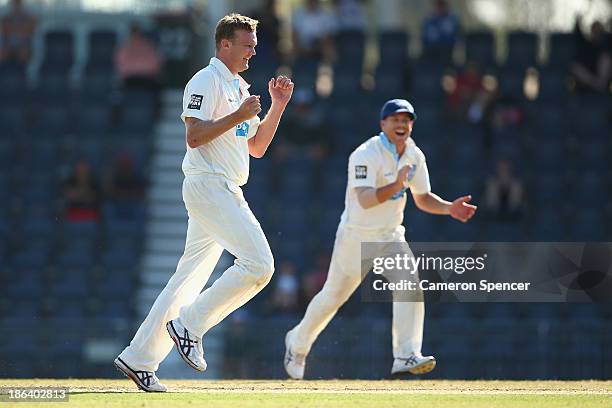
{"points": [[547, 190], [505, 232], [12, 83], [120, 258], [553, 86], [137, 119], [522, 49], [101, 49], [115, 309], [304, 73], [84, 230], [12, 120], [77, 256], [95, 119], [347, 81], [511, 83], [593, 156], [426, 90], [72, 283], [98, 84], [26, 285], [39, 225], [350, 45], [589, 225], [480, 48], [119, 285], [51, 122], [59, 50], [32, 257], [393, 47], [547, 156], [548, 225], [389, 81], [561, 51]]}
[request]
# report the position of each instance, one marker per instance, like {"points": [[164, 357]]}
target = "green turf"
{"points": [[328, 394], [329, 400]]}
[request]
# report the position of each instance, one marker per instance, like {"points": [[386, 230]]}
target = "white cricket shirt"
{"points": [[211, 93], [375, 163]]}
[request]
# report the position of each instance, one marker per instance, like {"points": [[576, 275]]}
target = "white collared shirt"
{"points": [[214, 92], [375, 163]]}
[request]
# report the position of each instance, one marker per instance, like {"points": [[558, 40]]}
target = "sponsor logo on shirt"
{"points": [[361, 172], [242, 130], [195, 102]]}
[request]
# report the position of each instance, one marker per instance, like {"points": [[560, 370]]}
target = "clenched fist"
{"points": [[249, 108]]}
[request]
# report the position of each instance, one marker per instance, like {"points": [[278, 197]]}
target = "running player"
{"points": [[379, 173], [222, 130]]}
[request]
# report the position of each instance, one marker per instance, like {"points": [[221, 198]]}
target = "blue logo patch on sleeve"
{"points": [[242, 130]]}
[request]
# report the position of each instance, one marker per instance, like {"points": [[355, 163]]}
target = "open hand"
{"points": [[281, 89], [402, 176], [461, 210]]}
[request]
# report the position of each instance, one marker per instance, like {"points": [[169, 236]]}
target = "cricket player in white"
{"points": [[379, 173], [222, 130]]}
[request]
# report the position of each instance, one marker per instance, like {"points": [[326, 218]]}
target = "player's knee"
{"points": [[261, 269]]}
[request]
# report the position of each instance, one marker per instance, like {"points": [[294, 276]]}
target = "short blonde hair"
{"points": [[227, 26]]}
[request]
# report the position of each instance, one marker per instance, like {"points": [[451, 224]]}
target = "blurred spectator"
{"points": [[440, 32], [350, 15], [286, 292], [469, 99], [592, 64], [504, 194], [124, 188], [501, 112], [313, 281], [138, 63], [304, 127], [18, 28], [268, 29], [313, 29], [124, 182], [82, 194]]}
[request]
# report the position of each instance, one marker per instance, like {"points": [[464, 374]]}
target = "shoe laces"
{"points": [[298, 358]]}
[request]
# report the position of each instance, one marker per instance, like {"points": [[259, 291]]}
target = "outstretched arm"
{"points": [[460, 209]]}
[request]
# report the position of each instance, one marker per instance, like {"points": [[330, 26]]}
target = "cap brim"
{"points": [[412, 115]]}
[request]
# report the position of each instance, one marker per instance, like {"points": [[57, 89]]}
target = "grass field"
{"points": [[328, 394]]}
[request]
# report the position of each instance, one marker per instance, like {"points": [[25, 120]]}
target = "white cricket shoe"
{"points": [[294, 363], [416, 363], [188, 345], [145, 380]]}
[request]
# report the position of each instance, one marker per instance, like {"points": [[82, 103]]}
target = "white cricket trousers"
{"points": [[343, 278], [219, 217]]}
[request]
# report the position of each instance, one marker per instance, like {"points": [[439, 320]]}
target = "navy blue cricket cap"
{"points": [[397, 106]]}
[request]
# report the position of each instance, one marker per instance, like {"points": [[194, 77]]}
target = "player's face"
{"points": [[398, 128], [241, 48]]}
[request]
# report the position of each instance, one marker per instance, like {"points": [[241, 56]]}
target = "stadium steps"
{"points": [[165, 232]]}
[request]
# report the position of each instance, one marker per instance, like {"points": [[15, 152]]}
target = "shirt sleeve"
{"points": [[361, 172], [253, 126], [419, 184], [200, 97]]}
